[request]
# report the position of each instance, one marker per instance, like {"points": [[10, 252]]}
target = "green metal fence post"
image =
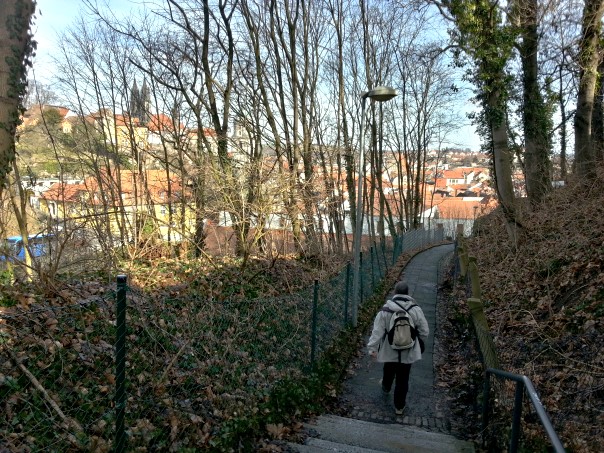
{"points": [[399, 248], [313, 347], [377, 260], [372, 268], [120, 365], [383, 247], [346, 293], [362, 279]]}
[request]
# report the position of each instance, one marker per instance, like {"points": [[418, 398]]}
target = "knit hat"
{"points": [[401, 288]]}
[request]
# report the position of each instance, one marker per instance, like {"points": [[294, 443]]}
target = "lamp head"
{"points": [[380, 93]]}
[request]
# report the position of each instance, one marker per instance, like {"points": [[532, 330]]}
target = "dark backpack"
{"points": [[401, 331]]}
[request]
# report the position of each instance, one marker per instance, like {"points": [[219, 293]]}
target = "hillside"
{"points": [[544, 301], [543, 298]]}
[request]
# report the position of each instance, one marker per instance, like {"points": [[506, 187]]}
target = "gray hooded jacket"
{"points": [[378, 341]]}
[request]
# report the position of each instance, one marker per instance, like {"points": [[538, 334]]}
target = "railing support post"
{"points": [[523, 382], [474, 277], [516, 418]]}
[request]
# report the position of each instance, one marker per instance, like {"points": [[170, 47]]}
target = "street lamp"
{"points": [[379, 94]]}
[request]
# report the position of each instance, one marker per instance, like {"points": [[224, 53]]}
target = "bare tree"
{"points": [[272, 71], [589, 58], [561, 26], [535, 115], [484, 37]]}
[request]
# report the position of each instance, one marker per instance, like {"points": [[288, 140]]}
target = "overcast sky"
{"points": [[56, 15]]}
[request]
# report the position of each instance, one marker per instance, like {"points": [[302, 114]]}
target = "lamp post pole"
{"points": [[379, 94], [358, 225]]}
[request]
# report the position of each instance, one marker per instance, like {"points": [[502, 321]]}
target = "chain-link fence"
{"points": [[130, 369], [446, 266], [57, 374]]}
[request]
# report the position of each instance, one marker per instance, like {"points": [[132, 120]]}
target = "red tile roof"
{"points": [[64, 192], [157, 184], [127, 120], [456, 173], [163, 123], [458, 208]]}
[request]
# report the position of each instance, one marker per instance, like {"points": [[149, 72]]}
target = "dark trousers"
{"points": [[400, 371]]}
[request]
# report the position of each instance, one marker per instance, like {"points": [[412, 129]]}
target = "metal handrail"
{"points": [[522, 382]]}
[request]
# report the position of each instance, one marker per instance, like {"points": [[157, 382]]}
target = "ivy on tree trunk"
{"points": [[16, 48]]}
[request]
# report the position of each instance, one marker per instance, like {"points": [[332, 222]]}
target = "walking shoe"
{"points": [[400, 411]]}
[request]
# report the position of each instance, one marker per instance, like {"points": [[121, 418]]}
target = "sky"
{"points": [[56, 15], [51, 17]]}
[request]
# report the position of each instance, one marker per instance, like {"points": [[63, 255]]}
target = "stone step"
{"points": [[347, 435], [313, 445]]}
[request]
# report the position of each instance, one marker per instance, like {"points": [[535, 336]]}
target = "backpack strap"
{"points": [[405, 309], [388, 310]]}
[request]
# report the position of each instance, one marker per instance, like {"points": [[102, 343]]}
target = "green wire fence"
{"points": [[124, 370]]}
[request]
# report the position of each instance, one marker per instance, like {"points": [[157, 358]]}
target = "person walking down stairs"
{"points": [[399, 332]]}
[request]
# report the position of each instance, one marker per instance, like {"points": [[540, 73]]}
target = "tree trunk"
{"points": [[563, 121], [588, 62], [597, 116], [537, 125], [502, 159], [15, 48], [338, 15]]}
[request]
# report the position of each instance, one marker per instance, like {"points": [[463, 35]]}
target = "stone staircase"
{"points": [[331, 433], [371, 425]]}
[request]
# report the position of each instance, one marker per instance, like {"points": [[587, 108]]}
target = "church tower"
{"points": [[144, 102], [140, 102], [134, 99]]}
